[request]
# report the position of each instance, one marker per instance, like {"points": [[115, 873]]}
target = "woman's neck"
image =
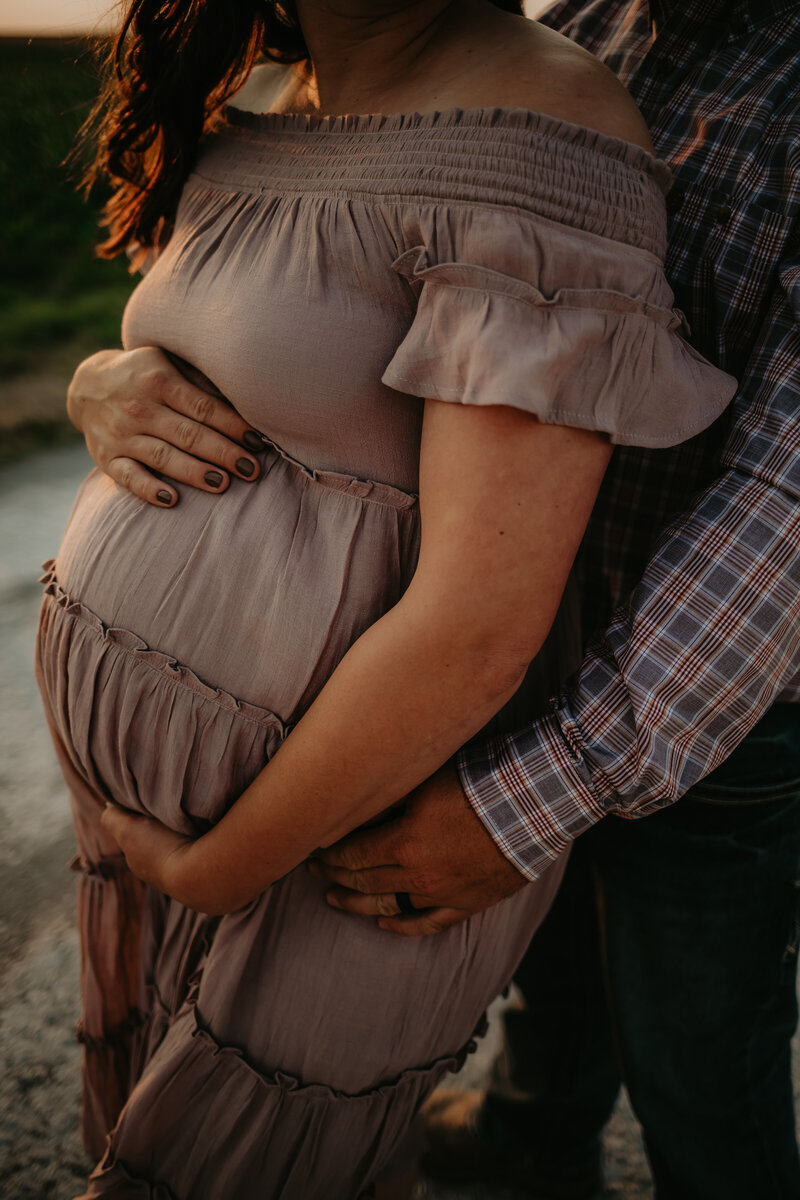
{"points": [[364, 52]]}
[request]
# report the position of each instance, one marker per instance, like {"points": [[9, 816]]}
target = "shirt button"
{"points": [[724, 212]]}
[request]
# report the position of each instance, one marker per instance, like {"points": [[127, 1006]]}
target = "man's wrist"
{"points": [[530, 792]]}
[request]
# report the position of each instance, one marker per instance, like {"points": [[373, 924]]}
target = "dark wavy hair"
{"points": [[168, 71]]}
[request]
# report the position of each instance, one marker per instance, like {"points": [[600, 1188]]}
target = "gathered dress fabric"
{"points": [[325, 275]]}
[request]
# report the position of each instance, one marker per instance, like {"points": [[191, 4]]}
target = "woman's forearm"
{"points": [[504, 503], [400, 703]]}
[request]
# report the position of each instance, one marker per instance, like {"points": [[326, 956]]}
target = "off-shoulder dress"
{"points": [[324, 275]]}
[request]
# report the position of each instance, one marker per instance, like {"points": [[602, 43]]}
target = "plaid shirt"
{"points": [[690, 569]]}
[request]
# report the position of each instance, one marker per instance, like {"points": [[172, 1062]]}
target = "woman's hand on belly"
{"points": [[153, 852], [140, 415], [174, 864]]}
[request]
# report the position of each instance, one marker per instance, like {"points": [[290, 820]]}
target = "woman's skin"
{"points": [[504, 500]]}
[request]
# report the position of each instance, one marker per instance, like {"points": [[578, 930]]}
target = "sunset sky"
{"points": [[74, 16], [51, 16]]}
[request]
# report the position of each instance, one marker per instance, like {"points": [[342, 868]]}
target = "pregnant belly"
{"points": [[260, 591]]}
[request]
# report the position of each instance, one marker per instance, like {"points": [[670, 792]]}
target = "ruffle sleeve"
{"points": [[574, 328]]}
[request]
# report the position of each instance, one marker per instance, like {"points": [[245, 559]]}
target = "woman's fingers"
{"points": [[203, 450], [137, 479], [150, 848], [210, 412], [130, 469], [132, 833], [167, 459], [118, 822]]}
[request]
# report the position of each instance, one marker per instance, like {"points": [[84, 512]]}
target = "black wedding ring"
{"points": [[403, 902]]}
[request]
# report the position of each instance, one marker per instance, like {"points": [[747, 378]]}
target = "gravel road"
{"points": [[40, 1155]]}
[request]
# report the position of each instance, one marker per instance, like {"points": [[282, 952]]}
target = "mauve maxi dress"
{"points": [[325, 275]]}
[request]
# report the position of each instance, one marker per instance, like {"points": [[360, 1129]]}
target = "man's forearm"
{"points": [[707, 641]]}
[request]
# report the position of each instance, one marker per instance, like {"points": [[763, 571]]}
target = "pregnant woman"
{"points": [[435, 322]]}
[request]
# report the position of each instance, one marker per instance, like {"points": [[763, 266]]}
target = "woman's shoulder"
{"points": [[541, 70], [521, 64]]}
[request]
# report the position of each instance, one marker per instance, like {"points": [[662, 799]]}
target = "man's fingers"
{"points": [[373, 879], [431, 920], [137, 479], [384, 904], [365, 850]]}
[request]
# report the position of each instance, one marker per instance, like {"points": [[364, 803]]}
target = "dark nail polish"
{"points": [[253, 441], [245, 467], [164, 497], [213, 478]]}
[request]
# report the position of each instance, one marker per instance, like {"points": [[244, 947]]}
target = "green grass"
{"points": [[53, 288]]}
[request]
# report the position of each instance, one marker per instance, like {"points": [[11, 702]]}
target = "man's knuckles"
{"points": [[356, 882], [342, 857], [407, 848], [424, 882], [346, 869]]}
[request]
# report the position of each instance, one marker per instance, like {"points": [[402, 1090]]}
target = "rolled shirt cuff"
{"points": [[532, 791]]}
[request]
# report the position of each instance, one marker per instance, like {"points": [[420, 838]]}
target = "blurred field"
{"points": [[58, 301]]}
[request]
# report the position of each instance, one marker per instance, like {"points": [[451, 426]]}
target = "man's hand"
{"points": [[437, 850]]}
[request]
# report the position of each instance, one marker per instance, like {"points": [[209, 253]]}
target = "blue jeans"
{"points": [[669, 962]]}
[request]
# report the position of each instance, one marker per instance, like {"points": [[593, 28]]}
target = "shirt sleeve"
{"points": [[704, 645]]}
